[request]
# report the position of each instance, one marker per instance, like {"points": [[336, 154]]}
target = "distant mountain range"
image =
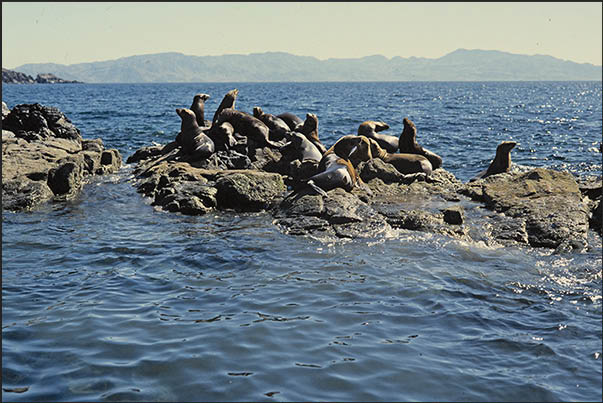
{"points": [[460, 65]]}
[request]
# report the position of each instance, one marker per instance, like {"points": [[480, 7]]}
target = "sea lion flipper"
{"points": [[316, 188]]}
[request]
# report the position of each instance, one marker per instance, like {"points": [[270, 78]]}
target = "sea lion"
{"points": [[310, 130], [338, 172], [222, 136], [354, 148], [371, 129], [403, 162], [293, 121], [191, 138], [304, 148], [500, 163], [247, 125], [408, 144], [278, 128], [227, 102], [198, 107]]}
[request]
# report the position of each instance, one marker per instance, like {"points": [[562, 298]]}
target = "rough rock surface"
{"points": [[45, 157], [546, 205]]}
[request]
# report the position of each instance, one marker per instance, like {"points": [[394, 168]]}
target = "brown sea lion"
{"points": [[222, 136], [247, 125], [227, 102], [278, 128], [403, 162], [305, 149], [198, 107], [408, 144], [500, 163], [191, 138], [371, 129], [338, 172], [310, 130], [293, 121], [354, 148]]}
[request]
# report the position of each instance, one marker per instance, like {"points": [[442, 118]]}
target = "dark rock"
{"points": [[145, 153], [454, 215], [24, 194], [15, 77], [66, 179], [49, 78], [34, 121], [341, 213], [249, 190], [596, 221]]}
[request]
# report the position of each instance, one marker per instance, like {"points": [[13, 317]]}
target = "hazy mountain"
{"points": [[460, 65]]}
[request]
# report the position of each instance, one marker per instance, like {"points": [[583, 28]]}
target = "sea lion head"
{"points": [[380, 126], [201, 97], [361, 151], [409, 127], [257, 112], [188, 117], [310, 124], [355, 148], [505, 146], [185, 113], [370, 126]]}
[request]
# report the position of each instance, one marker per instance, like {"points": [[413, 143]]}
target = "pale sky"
{"points": [[69, 33]]}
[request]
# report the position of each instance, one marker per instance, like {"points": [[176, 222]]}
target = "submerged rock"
{"points": [[44, 157]]}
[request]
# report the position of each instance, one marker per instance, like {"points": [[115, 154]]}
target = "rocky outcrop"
{"points": [[15, 77], [49, 78], [546, 206], [44, 157], [539, 208]]}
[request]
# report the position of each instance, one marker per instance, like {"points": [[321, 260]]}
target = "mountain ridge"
{"points": [[458, 65]]}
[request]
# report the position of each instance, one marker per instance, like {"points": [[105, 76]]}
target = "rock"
{"points": [[110, 162], [341, 213], [549, 201], [454, 215], [49, 78], [66, 179], [15, 77], [249, 190], [596, 221], [37, 122], [23, 194], [44, 157]]}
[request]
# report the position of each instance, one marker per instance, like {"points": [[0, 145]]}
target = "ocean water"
{"points": [[105, 298]]}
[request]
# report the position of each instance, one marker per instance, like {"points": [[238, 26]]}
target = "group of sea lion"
{"points": [[199, 138]]}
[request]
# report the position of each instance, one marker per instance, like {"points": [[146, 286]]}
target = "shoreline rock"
{"points": [[44, 157]]}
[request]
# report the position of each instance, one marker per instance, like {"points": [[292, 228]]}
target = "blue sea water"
{"points": [[105, 298]]}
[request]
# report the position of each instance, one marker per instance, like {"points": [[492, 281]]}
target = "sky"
{"points": [[70, 33]]}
